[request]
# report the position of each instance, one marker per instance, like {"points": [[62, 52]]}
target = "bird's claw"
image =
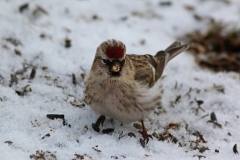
{"points": [[145, 136]]}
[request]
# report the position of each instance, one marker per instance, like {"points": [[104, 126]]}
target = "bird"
{"points": [[126, 87]]}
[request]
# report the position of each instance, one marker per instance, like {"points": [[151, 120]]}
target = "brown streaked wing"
{"points": [[147, 67]]}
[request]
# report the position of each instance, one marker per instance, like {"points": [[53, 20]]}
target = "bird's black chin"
{"points": [[115, 74]]}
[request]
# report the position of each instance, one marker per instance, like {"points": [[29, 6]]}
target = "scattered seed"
{"points": [[23, 7], [8, 142], [107, 131], [213, 117], [77, 103], [173, 126], [189, 7], [15, 42], [219, 88], [216, 151], [24, 89], [199, 102], [85, 128], [20, 93], [142, 42], [83, 75], [47, 135], [68, 43], [235, 149], [95, 17], [178, 99], [142, 142], [137, 126], [78, 156], [45, 68], [131, 134], [165, 3], [14, 79], [55, 116], [147, 155], [96, 149], [38, 10], [39, 123], [95, 127], [229, 134], [199, 156], [33, 73], [18, 52], [124, 18], [74, 79], [203, 149], [114, 157], [121, 135]]}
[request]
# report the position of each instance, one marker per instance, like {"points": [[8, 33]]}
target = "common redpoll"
{"points": [[126, 87]]}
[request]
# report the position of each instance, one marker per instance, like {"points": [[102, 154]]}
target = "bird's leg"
{"points": [[99, 121], [145, 135]]}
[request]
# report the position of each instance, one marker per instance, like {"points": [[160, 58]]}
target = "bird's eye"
{"points": [[104, 61]]}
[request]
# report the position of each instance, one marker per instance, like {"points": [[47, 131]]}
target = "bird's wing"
{"points": [[148, 68], [145, 67]]}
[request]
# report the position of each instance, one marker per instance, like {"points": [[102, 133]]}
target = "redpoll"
{"points": [[126, 87]]}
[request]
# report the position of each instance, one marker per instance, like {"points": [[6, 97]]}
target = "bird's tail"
{"points": [[173, 50]]}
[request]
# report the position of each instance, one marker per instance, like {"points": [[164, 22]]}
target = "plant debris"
{"points": [[24, 90], [200, 137], [13, 41], [41, 155], [218, 48], [78, 157], [165, 136]]}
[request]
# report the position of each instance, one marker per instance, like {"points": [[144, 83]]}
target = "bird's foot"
{"points": [[145, 135], [99, 121]]}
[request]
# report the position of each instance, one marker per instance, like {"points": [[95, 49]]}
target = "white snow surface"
{"points": [[23, 121]]}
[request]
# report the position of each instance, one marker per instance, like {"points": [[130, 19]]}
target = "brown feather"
{"points": [[148, 68]]}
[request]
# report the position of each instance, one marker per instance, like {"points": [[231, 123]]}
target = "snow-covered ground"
{"points": [[36, 37]]}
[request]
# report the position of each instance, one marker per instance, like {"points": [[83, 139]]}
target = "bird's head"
{"points": [[110, 58]]}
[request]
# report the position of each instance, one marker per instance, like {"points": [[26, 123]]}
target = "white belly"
{"points": [[121, 103]]}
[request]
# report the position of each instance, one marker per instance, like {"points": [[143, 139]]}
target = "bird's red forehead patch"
{"points": [[115, 52]]}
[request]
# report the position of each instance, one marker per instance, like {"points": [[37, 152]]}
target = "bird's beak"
{"points": [[116, 67]]}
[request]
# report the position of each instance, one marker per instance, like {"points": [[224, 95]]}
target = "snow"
{"points": [[23, 121]]}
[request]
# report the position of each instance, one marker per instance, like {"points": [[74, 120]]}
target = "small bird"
{"points": [[126, 87]]}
